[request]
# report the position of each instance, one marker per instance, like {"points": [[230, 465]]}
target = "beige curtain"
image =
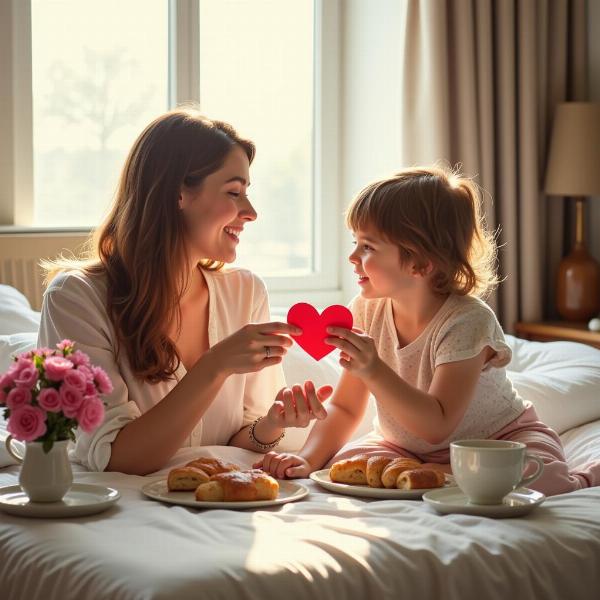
{"points": [[480, 79]]}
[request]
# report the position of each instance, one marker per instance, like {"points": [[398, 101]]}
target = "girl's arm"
{"points": [[345, 412], [435, 414]]}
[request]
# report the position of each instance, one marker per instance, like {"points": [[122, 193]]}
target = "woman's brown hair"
{"points": [[140, 245], [432, 214]]}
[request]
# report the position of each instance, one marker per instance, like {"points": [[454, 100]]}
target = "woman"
{"points": [[155, 307]]}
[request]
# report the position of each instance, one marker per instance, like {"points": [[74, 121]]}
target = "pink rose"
{"points": [[18, 397], [56, 367], [2, 396], [91, 414], [103, 380], [27, 423], [6, 381], [90, 389], [27, 377], [43, 352], [87, 372], [71, 400], [23, 362], [49, 399], [78, 358], [75, 379], [65, 344]]}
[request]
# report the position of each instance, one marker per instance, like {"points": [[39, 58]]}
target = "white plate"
{"points": [[289, 491], [451, 500], [364, 491], [82, 499]]}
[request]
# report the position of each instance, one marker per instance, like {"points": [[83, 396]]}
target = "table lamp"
{"points": [[573, 170]]}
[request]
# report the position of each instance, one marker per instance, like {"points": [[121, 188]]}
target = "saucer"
{"points": [[82, 499], [452, 500]]}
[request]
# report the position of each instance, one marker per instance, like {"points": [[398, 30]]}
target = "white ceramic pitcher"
{"points": [[44, 477]]}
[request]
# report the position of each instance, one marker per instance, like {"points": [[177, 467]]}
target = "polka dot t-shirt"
{"points": [[460, 330]]}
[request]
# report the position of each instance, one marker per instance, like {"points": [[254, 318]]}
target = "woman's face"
{"points": [[216, 212]]}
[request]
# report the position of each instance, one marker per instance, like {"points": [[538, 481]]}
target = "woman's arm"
{"points": [[293, 407], [145, 444]]}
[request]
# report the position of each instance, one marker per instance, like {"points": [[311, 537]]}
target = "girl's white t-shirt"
{"points": [[74, 307], [461, 329]]}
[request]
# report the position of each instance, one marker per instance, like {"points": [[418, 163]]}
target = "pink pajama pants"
{"points": [[540, 440]]}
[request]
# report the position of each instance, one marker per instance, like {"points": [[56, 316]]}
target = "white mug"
{"points": [[487, 470]]}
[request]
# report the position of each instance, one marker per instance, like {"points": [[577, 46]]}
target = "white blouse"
{"points": [[74, 307]]}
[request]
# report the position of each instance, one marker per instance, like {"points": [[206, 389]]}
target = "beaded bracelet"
{"points": [[260, 444]]}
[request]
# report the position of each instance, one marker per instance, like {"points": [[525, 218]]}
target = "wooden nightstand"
{"points": [[552, 331]]}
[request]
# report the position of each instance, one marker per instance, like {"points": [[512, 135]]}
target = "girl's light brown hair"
{"points": [[432, 214], [140, 247]]}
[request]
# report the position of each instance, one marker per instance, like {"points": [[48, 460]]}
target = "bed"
{"points": [[326, 546]]}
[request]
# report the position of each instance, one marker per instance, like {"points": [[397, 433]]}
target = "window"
{"points": [[99, 75], [256, 72], [87, 76]]}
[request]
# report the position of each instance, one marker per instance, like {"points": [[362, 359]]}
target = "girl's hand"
{"points": [[253, 347], [297, 407], [359, 355], [283, 466]]}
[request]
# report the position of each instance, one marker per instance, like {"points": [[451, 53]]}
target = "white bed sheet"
{"points": [[326, 547]]}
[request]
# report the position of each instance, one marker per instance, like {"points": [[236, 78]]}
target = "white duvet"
{"points": [[324, 547]]}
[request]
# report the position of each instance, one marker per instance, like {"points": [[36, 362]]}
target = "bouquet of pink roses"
{"points": [[48, 393]]}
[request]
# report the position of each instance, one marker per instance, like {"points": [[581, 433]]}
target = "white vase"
{"points": [[44, 477]]}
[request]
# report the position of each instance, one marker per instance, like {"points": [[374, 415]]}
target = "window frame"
{"points": [[322, 285]]}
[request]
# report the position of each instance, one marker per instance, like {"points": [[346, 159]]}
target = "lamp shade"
{"points": [[573, 167]]}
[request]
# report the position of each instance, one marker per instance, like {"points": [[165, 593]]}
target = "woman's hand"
{"points": [[359, 355], [253, 347], [297, 407], [283, 466]]}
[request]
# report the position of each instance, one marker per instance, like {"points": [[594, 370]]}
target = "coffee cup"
{"points": [[487, 470]]}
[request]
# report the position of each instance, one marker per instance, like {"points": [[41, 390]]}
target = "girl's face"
{"points": [[377, 264], [216, 213]]}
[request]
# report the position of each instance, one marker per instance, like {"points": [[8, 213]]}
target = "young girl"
{"points": [[183, 339], [425, 345]]}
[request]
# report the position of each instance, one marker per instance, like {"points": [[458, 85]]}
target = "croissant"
{"points": [[186, 479], [350, 470], [212, 466], [238, 486], [418, 479], [395, 468], [375, 467]]}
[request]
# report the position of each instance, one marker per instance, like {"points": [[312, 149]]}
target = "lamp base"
{"points": [[578, 290]]}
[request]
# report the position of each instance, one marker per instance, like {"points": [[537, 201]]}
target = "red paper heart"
{"points": [[314, 326]]}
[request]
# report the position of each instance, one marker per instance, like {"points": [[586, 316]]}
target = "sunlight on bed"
{"points": [[310, 546]]}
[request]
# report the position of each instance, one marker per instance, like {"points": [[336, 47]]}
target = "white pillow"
{"points": [[16, 314], [561, 379], [15, 344]]}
